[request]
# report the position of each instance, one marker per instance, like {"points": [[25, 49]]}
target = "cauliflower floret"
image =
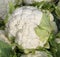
{"points": [[29, 41], [22, 25], [38, 54], [3, 37], [32, 1]]}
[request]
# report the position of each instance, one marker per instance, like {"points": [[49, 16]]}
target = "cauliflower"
{"points": [[19, 18], [30, 27], [38, 54], [4, 7], [32, 1], [3, 37]]}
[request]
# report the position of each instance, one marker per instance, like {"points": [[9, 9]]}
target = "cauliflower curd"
{"points": [[4, 7], [24, 25], [22, 19]]}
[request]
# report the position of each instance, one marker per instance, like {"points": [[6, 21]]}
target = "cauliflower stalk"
{"points": [[31, 27]]}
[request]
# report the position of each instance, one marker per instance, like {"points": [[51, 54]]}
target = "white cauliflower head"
{"points": [[4, 7], [22, 17], [32, 1], [31, 27], [38, 54]]}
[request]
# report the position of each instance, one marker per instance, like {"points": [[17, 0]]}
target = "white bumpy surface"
{"points": [[4, 7], [23, 21]]}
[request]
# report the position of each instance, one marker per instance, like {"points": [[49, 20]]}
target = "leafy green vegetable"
{"points": [[6, 19], [5, 50], [54, 45], [11, 7], [45, 28], [45, 5], [57, 11], [42, 34], [58, 50], [57, 40]]}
